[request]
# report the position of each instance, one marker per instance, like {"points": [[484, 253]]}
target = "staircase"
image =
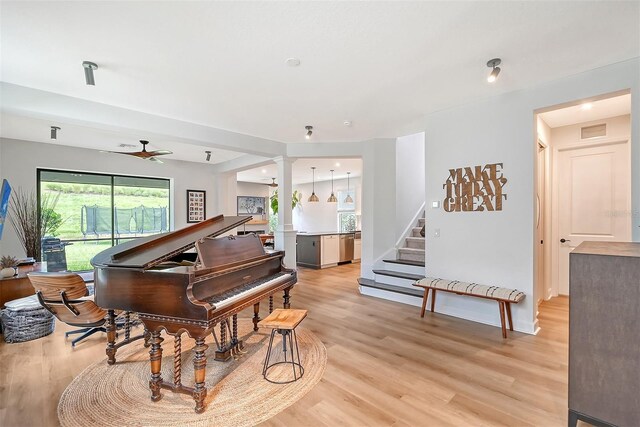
{"points": [[394, 280]]}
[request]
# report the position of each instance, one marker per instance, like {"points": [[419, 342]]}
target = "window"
{"points": [[97, 211], [346, 211]]}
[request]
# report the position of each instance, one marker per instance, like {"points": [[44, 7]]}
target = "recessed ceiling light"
{"points": [[587, 106], [292, 62], [347, 122], [264, 171], [338, 164]]}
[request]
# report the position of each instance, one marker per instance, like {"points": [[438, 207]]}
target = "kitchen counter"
{"points": [[325, 233], [323, 249]]}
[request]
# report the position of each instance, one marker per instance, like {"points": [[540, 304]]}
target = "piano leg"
{"points": [[147, 336], [199, 370], [155, 356], [111, 337], [223, 353], [256, 315], [286, 298], [177, 362]]}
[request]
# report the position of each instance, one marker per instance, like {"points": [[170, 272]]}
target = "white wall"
{"points": [[496, 248], [20, 159], [378, 203], [323, 216], [409, 179]]}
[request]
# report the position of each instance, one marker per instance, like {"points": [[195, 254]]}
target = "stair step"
{"points": [[391, 288], [421, 222], [405, 262], [415, 232], [415, 242], [411, 254], [399, 274]]}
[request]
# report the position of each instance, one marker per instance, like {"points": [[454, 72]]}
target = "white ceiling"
{"points": [[301, 171], [382, 65], [31, 129], [602, 109]]}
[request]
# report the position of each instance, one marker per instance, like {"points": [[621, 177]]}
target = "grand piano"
{"points": [[179, 291]]}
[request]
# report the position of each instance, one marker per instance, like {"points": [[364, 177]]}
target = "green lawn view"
{"points": [[71, 199]]}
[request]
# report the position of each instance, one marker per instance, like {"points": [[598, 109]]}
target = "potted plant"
{"points": [[8, 266], [273, 200]]}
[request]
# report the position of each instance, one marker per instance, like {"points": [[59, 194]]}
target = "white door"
{"points": [[594, 199]]}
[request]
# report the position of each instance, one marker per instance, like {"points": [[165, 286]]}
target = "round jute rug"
{"points": [[238, 395]]}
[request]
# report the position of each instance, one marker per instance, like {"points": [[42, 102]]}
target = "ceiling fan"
{"points": [[144, 154], [272, 184]]}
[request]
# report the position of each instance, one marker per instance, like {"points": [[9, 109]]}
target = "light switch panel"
{"points": [[435, 204]]}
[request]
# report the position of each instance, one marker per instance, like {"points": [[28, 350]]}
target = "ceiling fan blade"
{"points": [[153, 159], [160, 152], [128, 153]]}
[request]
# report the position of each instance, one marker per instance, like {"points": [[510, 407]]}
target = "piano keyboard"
{"points": [[234, 295]]}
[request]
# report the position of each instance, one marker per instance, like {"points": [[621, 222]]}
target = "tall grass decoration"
{"points": [[30, 223]]}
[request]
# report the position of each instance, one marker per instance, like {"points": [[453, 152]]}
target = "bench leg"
{"points": [[508, 306], [504, 328], [433, 300], [424, 301]]}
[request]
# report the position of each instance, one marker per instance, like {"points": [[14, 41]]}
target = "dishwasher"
{"points": [[346, 247]]}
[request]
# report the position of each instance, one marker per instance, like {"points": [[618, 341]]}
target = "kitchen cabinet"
{"points": [[308, 251], [357, 249], [604, 326], [330, 249]]}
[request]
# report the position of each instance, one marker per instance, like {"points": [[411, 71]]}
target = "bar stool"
{"points": [[284, 322]]}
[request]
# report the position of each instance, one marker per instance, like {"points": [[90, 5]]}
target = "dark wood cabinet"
{"points": [[604, 334], [308, 251]]}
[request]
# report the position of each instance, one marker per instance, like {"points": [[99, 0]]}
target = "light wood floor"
{"points": [[387, 366]]}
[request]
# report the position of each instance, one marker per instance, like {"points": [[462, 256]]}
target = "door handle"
{"points": [[564, 240]]}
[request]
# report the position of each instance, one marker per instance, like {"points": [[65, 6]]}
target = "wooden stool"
{"points": [[284, 322]]}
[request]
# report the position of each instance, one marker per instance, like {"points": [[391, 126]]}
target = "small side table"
{"points": [[284, 322]]}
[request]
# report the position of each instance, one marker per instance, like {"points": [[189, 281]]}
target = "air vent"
{"points": [[594, 131]]}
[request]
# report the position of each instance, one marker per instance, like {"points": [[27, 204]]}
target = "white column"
{"points": [[285, 235]]}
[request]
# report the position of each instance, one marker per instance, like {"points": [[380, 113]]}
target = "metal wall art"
{"points": [[475, 189]]}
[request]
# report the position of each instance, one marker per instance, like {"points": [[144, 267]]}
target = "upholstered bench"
{"points": [[504, 296]]}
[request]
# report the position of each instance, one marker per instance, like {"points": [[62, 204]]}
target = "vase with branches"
{"points": [[32, 224]]}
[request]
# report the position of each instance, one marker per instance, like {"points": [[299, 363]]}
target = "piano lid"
{"points": [[145, 252]]}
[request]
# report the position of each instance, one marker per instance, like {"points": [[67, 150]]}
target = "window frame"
{"points": [[112, 178]]}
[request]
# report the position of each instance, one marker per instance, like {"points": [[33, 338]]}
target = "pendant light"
{"points": [[332, 198], [313, 197], [348, 199]]}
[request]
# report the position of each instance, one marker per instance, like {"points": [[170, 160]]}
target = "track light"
{"points": [[54, 132], [88, 72], [313, 197], [332, 198], [495, 69], [208, 155], [309, 131], [348, 199]]}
